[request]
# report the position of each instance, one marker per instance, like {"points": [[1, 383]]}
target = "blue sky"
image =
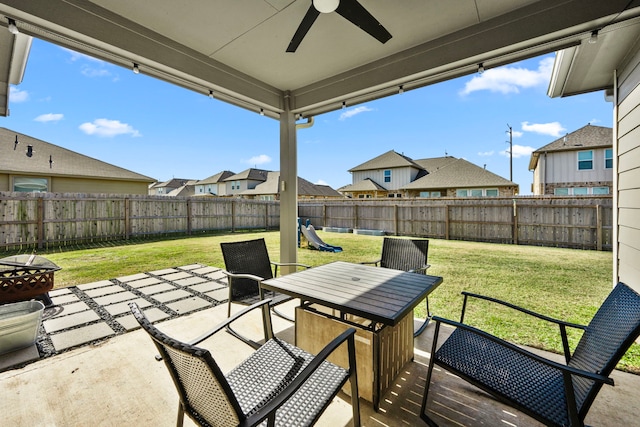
{"points": [[154, 128]]}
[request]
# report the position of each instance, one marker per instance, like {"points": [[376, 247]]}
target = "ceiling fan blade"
{"points": [[303, 28], [358, 15]]}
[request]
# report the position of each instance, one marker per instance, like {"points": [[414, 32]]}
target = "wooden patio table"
{"points": [[379, 302]]}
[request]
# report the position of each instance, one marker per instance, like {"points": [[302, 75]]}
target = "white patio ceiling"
{"points": [[236, 48]]}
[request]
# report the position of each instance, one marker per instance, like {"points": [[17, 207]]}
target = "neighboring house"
{"points": [[579, 163], [270, 190], [213, 185], [395, 175], [186, 190], [245, 180], [31, 165], [166, 187]]}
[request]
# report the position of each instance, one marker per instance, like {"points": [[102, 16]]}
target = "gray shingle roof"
{"points": [[250, 174], [214, 179], [365, 185], [458, 173], [390, 159], [65, 162], [305, 188]]}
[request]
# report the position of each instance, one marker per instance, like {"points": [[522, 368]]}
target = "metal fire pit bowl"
{"points": [[25, 277]]}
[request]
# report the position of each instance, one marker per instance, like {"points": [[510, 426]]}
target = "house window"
{"points": [[580, 191], [491, 192], [461, 193], [600, 190], [608, 159], [585, 160], [387, 175], [476, 193], [430, 194], [561, 191], [29, 185]]}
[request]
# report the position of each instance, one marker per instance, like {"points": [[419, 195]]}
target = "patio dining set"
{"points": [[354, 332]]}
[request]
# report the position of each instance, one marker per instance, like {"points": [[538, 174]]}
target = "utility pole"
{"points": [[510, 152]]}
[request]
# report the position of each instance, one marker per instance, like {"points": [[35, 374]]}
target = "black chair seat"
{"points": [[271, 369]]}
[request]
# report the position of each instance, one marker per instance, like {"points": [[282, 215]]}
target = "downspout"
{"points": [[306, 125]]}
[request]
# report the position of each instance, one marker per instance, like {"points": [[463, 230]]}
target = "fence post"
{"points": [[514, 232], [599, 227], [189, 206], [40, 213], [446, 222], [324, 214], [127, 218]]}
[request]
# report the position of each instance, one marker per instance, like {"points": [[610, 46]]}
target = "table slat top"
{"points": [[380, 294]]}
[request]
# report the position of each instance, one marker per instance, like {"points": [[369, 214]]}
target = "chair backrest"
{"points": [[608, 336], [204, 392], [247, 257], [404, 254]]}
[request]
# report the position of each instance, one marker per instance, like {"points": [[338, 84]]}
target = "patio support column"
{"points": [[288, 187]]}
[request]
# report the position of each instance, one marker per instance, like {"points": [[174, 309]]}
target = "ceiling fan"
{"points": [[348, 9]]}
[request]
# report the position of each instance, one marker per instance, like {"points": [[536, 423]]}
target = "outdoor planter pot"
{"points": [[19, 323]]}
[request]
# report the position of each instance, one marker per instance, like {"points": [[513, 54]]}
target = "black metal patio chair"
{"points": [[553, 393], [406, 255], [278, 385], [247, 264]]}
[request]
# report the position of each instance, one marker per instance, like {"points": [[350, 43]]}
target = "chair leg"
{"points": [[180, 420], [426, 321], [284, 316], [423, 409]]}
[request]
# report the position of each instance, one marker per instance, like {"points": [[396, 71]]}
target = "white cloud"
{"points": [[519, 151], [75, 56], [50, 117], [321, 182], [94, 72], [259, 160], [354, 111], [485, 153], [17, 95], [510, 79], [108, 128], [516, 133], [551, 129]]}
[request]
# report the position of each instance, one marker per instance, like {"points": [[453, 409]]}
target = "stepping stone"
{"points": [[114, 298], [64, 322], [217, 275], [150, 290], [132, 277], [172, 295], [144, 282], [163, 272], [188, 305], [189, 281], [64, 299], [58, 292], [130, 323], [176, 276], [95, 285], [98, 292], [76, 307], [191, 267], [86, 334], [206, 270], [219, 295], [207, 287], [123, 307]]}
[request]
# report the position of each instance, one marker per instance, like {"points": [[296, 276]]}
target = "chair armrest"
{"points": [[228, 321], [564, 368], [242, 276], [372, 262], [285, 264], [299, 381], [422, 270], [523, 310]]}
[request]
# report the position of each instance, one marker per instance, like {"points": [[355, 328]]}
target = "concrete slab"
{"points": [[217, 275], [132, 277], [221, 294], [105, 290], [119, 383], [206, 270], [115, 298], [172, 295], [176, 276], [164, 271], [123, 307], [76, 307], [64, 299], [130, 323], [64, 322], [188, 305], [187, 281], [18, 357], [154, 289], [208, 287], [85, 334], [191, 267], [58, 292], [147, 281], [93, 285]]}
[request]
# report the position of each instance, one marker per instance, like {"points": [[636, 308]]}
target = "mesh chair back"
{"points": [[404, 254], [204, 392], [610, 333], [246, 257]]}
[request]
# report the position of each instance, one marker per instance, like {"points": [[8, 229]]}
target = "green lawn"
{"points": [[562, 283]]}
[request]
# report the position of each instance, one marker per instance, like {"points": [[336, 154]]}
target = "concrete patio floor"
{"points": [[117, 382]]}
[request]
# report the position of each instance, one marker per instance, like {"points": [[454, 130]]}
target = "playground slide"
{"points": [[315, 240]]}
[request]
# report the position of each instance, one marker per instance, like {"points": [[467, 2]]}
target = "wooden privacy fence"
{"points": [[41, 220], [50, 219], [576, 222]]}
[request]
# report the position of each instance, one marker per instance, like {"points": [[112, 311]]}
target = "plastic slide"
{"points": [[315, 241]]}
